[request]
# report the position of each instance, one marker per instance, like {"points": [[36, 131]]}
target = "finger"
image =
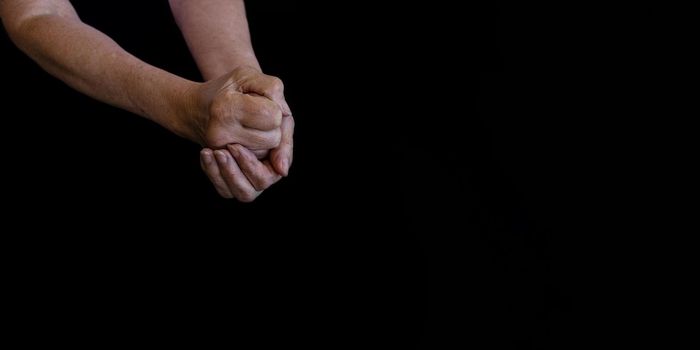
{"points": [[282, 156], [260, 153], [260, 174], [220, 135], [206, 158], [286, 111], [270, 87], [259, 113], [235, 179], [257, 139], [282, 103]]}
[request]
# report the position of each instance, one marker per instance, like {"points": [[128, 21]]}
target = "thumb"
{"points": [[270, 87]]}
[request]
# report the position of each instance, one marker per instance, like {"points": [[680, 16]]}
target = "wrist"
{"points": [[220, 66], [189, 114]]}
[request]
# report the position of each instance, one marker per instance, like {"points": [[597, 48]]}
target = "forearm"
{"points": [[217, 34], [92, 63]]}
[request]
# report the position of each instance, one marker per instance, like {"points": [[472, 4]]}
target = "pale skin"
{"points": [[239, 114]]}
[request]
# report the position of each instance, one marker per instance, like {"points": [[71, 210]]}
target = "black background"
{"points": [[439, 191]]}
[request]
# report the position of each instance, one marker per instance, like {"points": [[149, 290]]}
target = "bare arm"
{"points": [[215, 113], [217, 34], [50, 32]]}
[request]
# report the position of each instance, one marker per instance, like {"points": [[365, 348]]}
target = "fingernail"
{"points": [[285, 166], [221, 157], [207, 157], [234, 150]]}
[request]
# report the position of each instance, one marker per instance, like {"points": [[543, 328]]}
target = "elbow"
{"points": [[18, 29], [18, 19]]}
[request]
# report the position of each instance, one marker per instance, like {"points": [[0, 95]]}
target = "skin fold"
{"points": [[239, 114]]}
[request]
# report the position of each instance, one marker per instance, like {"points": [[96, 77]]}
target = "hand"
{"points": [[242, 107], [237, 173]]}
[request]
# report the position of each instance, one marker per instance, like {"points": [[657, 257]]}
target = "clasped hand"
{"points": [[246, 128]]}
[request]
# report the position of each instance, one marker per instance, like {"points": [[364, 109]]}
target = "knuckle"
{"points": [[275, 138], [264, 109], [275, 86], [215, 138], [263, 184], [246, 196]]}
